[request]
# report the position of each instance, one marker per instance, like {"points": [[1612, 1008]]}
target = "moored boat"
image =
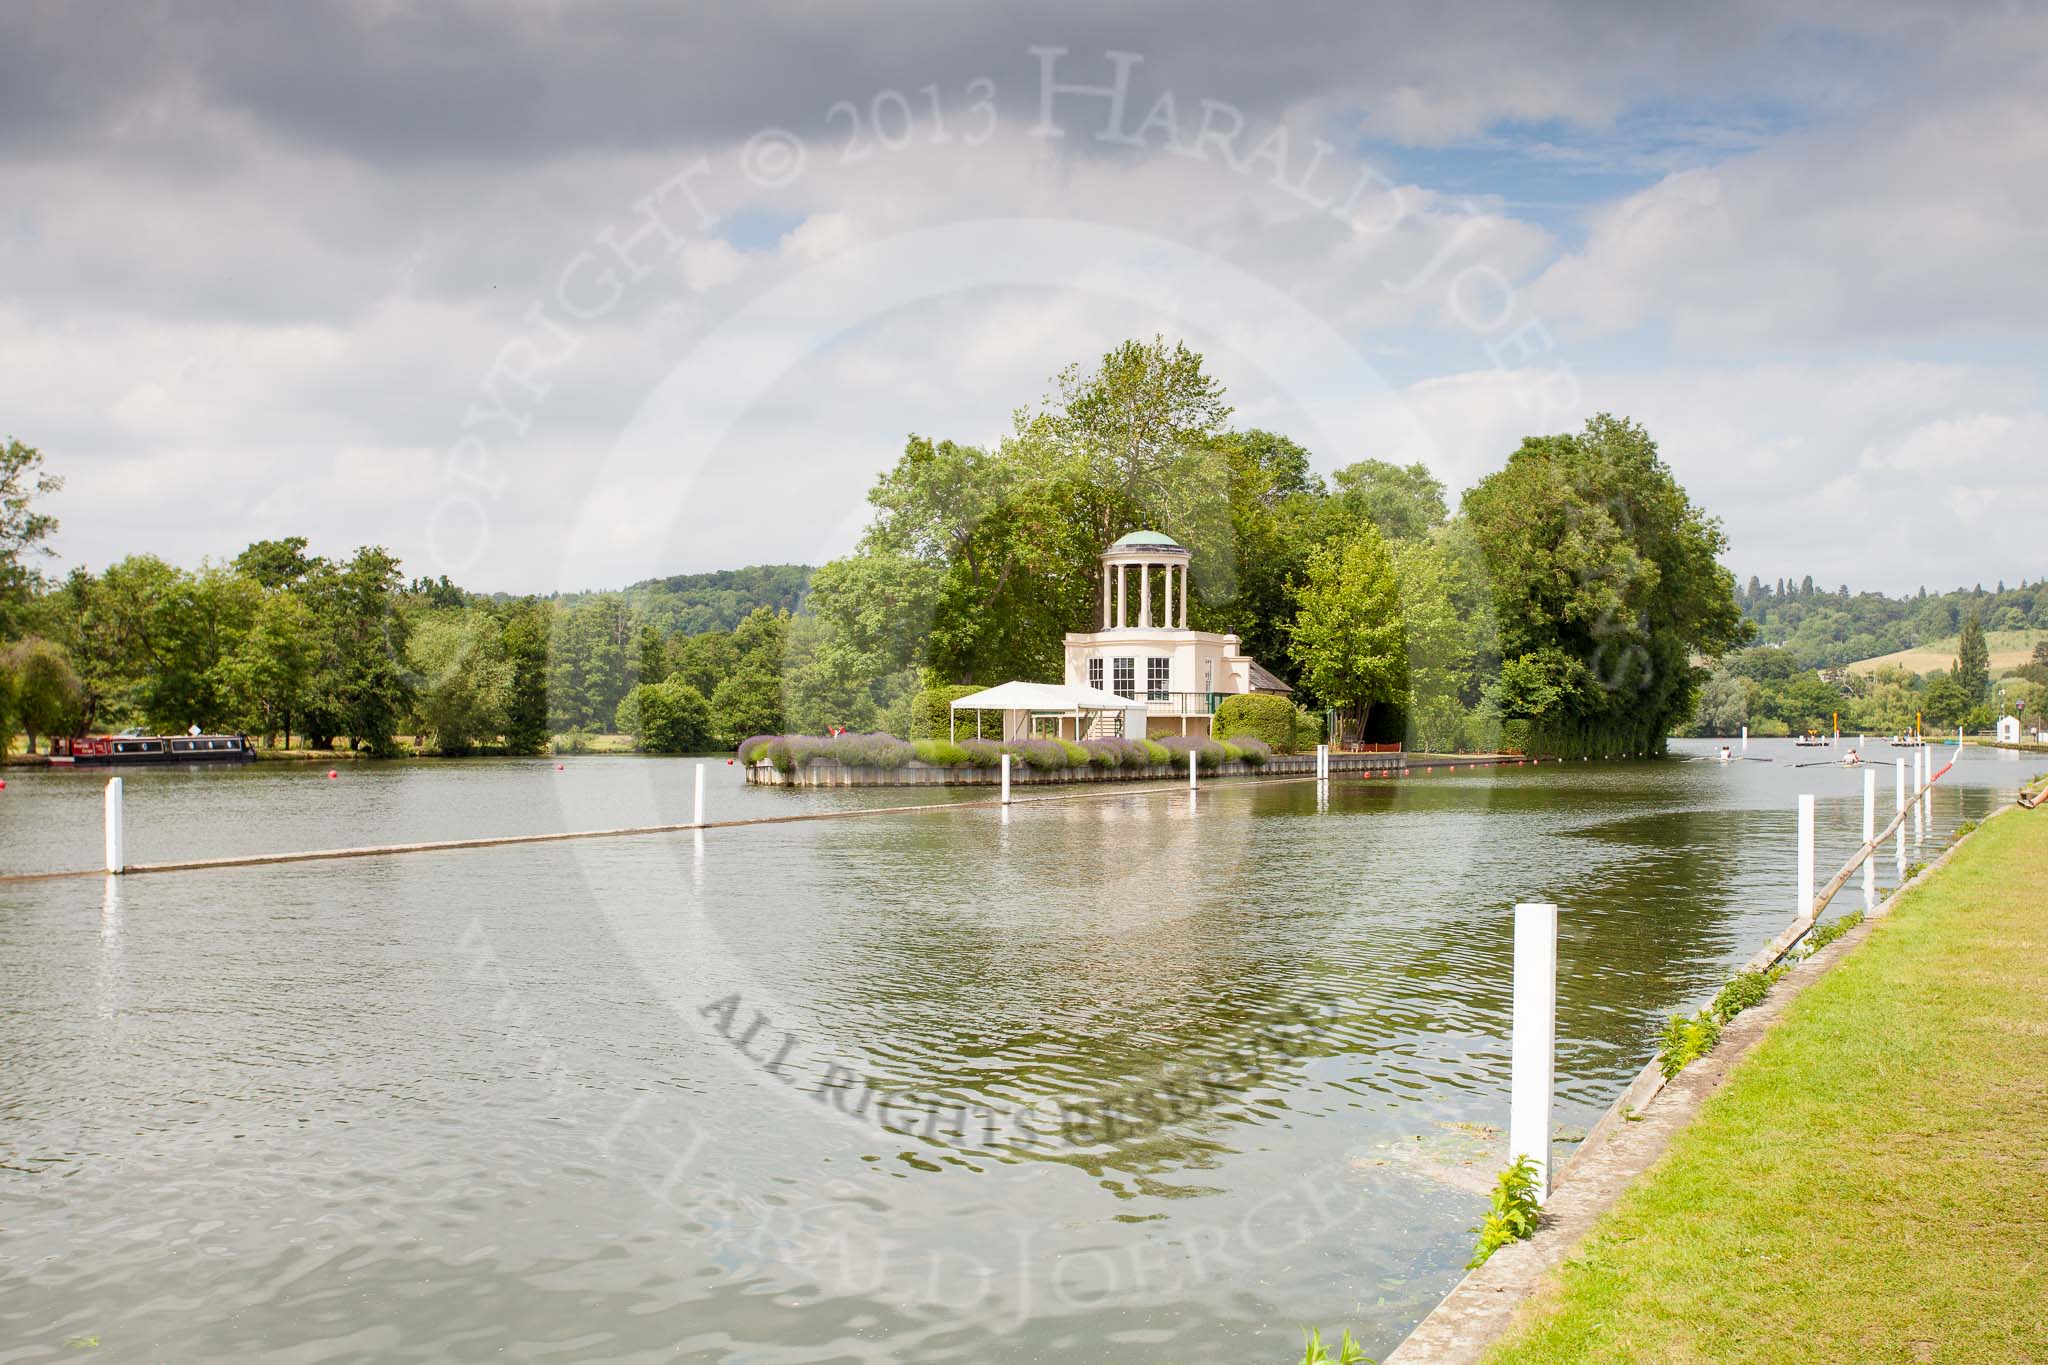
{"points": [[122, 750]]}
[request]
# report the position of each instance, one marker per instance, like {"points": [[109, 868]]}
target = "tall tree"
{"points": [[1348, 640], [271, 667], [23, 529], [1405, 502], [1972, 670], [526, 654], [1274, 504], [1606, 576], [45, 690], [1438, 640]]}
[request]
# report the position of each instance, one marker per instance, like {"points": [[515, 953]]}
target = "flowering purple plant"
{"points": [[982, 753], [1046, 755], [1254, 751], [1114, 751], [1208, 753]]}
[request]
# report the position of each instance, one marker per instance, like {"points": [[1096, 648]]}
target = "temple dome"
{"points": [[1146, 540]]}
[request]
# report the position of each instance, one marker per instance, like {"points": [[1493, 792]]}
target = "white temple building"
{"points": [[1143, 665]]}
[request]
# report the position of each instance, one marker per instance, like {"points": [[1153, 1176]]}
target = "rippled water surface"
{"points": [[1109, 1078]]}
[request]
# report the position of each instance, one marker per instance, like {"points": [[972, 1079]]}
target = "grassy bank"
{"points": [[1870, 1184]]}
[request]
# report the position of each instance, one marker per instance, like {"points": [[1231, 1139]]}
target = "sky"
{"points": [[564, 296]]}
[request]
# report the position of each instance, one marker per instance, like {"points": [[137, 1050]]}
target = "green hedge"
{"points": [[931, 714], [1259, 715]]}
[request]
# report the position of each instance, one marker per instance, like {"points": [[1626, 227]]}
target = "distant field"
{"points": [[2009, 649]]}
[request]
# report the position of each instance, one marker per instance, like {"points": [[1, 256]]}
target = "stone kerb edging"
{"points": [[1625, 1143]]}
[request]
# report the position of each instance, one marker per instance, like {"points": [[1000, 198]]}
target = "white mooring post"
{"points": [[1927, 784], [1745, 739], [1322, 762], [1532, 1073], [1191, 772], [698, 817], [1869, 833], [117, 828], [1805, 856], [1006, 779], [1919, 800], [1899, 809]]}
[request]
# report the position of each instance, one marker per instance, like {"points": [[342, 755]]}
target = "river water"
{"points": [[1117, 1078]]}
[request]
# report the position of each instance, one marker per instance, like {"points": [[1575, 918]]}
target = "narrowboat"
{"points": [[101, 750]]}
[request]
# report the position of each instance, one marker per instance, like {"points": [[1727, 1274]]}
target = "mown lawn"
{"points": [[1872, 1184]]}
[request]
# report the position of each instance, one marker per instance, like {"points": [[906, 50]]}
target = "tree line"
{"points": [[1566, 602], [1830, 627], [1772, 690]]}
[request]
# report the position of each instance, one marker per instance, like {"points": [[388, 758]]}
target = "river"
{"points": [[1108, 1079]]}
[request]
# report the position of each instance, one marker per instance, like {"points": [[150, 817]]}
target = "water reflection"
{"points": [[470, 1104]]}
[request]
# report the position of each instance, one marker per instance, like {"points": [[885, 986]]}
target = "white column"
{"points": [[1805, 856], [1182, 618], [1899, 809], [1533, 1053], [1144, 595], [1927, 783], [1323, 762], [1106, 622], [117, 828], [1745, 739], [1122, 583], [1006, 779], [1191, 772], [1869, 833], [698, 817]]}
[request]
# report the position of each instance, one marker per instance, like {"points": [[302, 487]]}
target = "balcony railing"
{"points": [[1159, 703]]}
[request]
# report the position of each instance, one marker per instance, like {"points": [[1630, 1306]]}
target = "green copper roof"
{"points": [[1146, 540]]}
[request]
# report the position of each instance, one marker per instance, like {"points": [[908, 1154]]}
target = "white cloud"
{"points": [[1921, 225], [1885, 475]]}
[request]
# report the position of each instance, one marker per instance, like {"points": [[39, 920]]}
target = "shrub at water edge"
{"points": [[1208, 753], [1259, 715], [940, 753]]}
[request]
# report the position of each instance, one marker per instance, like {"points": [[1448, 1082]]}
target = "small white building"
{"points": [[2009, 730], [1144, 650]]}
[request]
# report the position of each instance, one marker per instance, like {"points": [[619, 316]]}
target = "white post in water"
{"points": [[1322, 762], [1745, 739], [117, 828], [1899, 809], [1534, 1048], [698, 817], [1919, 798], [1870, 833], [1006, 779], [1805, 856], [1191, 772], [1927, 784]]}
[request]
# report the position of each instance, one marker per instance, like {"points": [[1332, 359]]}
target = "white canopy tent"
{"points": [[1022, 702]]}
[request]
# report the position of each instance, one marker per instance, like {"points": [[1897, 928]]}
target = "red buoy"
{"points": [[332, 773], [3, 784], [560, 767]]}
